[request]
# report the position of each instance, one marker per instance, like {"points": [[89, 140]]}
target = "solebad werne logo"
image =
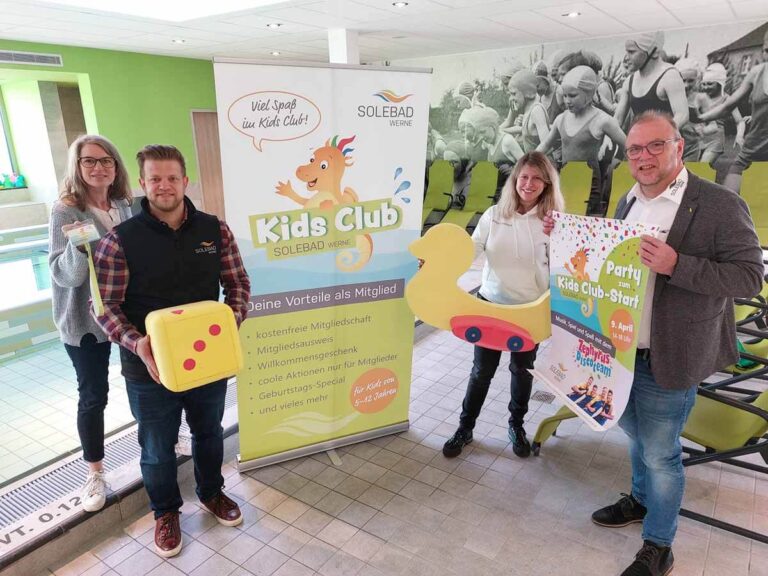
{"points": [[208, 247], [393, 109]]}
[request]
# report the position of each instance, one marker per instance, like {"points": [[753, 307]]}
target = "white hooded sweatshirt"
{"points": [[516, 250]]}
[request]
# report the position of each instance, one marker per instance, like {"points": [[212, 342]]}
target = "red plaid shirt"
{"points": [[112, 273]]}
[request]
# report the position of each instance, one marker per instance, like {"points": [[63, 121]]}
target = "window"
{"points": [[746, 63], [6, 167]]}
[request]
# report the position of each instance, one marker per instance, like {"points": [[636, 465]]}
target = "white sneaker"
{"points": [[94, 493]]}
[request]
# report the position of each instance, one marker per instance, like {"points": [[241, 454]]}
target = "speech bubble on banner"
{"points": [[274, 115]]}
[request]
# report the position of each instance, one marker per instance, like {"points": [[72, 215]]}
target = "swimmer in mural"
{"points": [[581, 130], [466, 96], [581, 127], [512, 118], [712, 93], [546, 88], [755, 148], [535, 124], [605, 95], [690, 71], [323, 176], [652, 84]]}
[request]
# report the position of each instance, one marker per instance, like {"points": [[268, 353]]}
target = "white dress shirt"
{"points": [[659, 211]]}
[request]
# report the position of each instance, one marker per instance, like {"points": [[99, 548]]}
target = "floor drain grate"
{"points": [[41, 491], [543, 397], [36, 493]]}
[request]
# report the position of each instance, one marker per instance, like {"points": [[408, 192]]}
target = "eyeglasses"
{"points": [[88, 162], [654, 148]]}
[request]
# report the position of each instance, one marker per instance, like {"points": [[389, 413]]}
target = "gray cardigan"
{"points": [[693, 332], [69, 274]]}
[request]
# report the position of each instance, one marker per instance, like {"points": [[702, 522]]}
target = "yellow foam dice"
{"points": [[194, 344]]}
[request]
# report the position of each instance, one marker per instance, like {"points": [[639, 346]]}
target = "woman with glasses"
{"points": [[95, 187], [755, 148]]}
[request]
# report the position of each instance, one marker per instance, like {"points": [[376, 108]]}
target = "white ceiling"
{"points": [[424, 28]]}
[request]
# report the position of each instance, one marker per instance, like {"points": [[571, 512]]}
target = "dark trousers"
{"points": [[483, 369], [158, 413], [91, 363]]}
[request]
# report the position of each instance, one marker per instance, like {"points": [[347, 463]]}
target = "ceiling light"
{"points": [[573, 14], [274, 25], [275, 53], [399, 4], [178, 41]]}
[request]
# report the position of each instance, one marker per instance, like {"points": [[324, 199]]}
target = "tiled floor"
{"points": [[397, 506], [38, 408], [38, 402]]}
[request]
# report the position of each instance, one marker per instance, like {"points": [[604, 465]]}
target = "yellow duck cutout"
{"points": [[435, 297]]}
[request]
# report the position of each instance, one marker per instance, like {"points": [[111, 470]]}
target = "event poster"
{"points": [[324, 177], [597, 285]]}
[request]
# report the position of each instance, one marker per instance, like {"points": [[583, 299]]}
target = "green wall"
{"points": [[138, 99]]}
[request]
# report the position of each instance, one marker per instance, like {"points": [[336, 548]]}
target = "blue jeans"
{"points": [[653, 420], [91, 362], [158, 413]]}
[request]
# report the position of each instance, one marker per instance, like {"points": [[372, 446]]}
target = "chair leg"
{"points": [[548, 427], [724, 525]]}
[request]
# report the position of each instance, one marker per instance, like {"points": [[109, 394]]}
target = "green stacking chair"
{"points": [[751, 317], [548, 428], [727, 428], [439, 189], [754, 190], [480, 196], [621, 184], [575, 184], [702, 170], [724, 426]]}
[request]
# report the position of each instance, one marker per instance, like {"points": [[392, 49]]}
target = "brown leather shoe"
{"points": [[225, 509], [168, 535]]}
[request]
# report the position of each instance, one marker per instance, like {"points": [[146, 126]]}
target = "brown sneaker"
{"points": [[225, 509], [168, 535]]}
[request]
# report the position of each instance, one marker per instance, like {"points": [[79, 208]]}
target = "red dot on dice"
{"points": [[215, 329], [199, 345], [189, 364]]}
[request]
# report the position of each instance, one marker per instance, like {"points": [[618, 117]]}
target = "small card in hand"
{"points": [[83, 233]]}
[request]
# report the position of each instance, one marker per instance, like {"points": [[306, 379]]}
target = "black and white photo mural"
{"points": [[574, 101]]}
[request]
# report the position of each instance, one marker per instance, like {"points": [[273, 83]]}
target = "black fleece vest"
{"points": [[167, 268]]}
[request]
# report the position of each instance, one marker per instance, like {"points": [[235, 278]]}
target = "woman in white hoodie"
{"points": [[515, 238]]}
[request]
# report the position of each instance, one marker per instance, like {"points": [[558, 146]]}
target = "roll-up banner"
{"points": [[323, 170]]}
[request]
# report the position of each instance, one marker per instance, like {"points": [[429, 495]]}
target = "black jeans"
{"points": [[483, 369], [158, 413], [91, 363]]}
